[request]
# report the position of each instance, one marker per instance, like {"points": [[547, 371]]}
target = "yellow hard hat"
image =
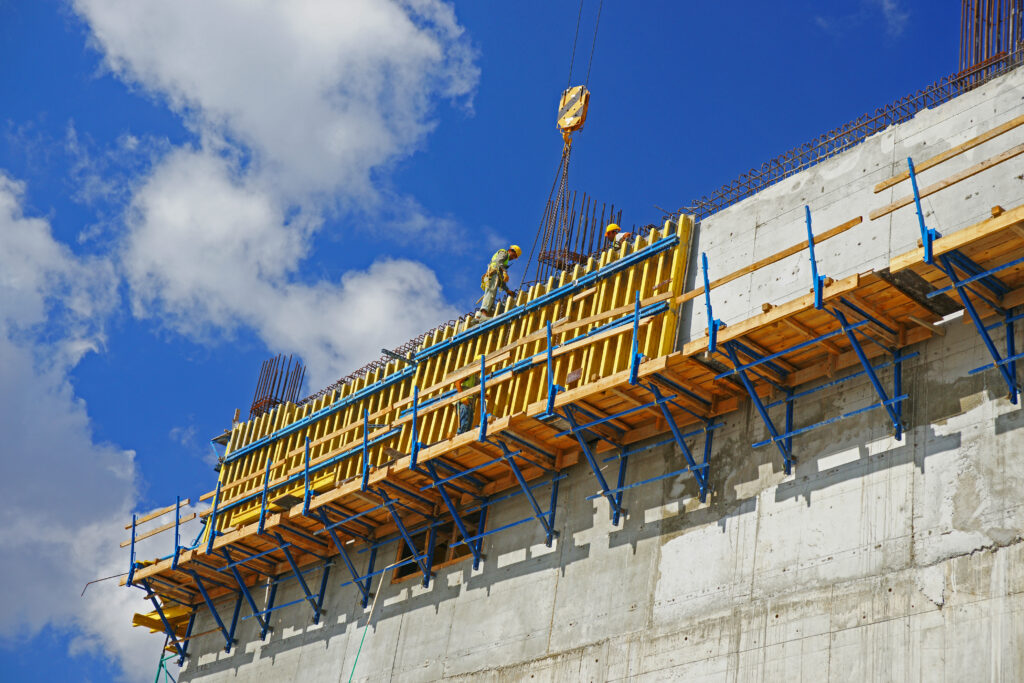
{"points": [[612, 227], [515, 249]]}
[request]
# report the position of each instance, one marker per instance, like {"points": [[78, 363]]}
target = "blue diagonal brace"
{"points": [[284, 545], [713, 323], [243, 588], [546, 521], [927, 234], [617, 510], [700, 474], [364, 587], [213, 610], [851, 335], [1010, 379], [390, 504], [183, 652], [780, 442], [163, 618], [473, 547]]}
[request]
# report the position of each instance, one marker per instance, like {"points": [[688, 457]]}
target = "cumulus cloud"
{"points": [[321, 92], [299, 110], [52, 307], [208, 252], [895, 16]]}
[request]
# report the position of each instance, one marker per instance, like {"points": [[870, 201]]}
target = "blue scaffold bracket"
{"points": [[213, 519], [483, 398], [818, 280], [177, 532], [713, 323], [366, 450], [553, 388], [634, 354], [131, 557], [305, 483], [928, 235], [415, 445]]}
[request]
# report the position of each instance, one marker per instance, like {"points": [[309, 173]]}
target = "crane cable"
{"points": [[597, 22]]}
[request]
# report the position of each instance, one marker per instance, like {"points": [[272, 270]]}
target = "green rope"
{"points": [[369, 618]]}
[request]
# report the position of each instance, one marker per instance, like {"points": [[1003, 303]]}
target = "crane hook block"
{"points": [[572, 108]]}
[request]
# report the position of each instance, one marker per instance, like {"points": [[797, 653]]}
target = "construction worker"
{"points": [[615, 236], [496, 276], [465, 406]]}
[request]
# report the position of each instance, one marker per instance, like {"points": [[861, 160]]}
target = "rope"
{"points": [[369, 618], [572, 60], [594, 43]]}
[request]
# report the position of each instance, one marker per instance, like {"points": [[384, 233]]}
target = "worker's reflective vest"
{"points": [[498, 266]]}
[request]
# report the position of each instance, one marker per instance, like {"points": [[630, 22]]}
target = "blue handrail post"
{"points": [[305, 494], [634, 355], [263, 497], [177, 529], [927, 234], [552, 387], [366, 450], [213, 519], [131, 558], [713, 323], [818, 280], [414, 447], [483, 399]]}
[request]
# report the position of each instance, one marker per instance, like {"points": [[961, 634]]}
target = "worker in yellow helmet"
{"points": [[496, 276], [614, 235]]}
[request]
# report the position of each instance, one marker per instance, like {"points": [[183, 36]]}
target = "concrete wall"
{"points": [[876, 560]]}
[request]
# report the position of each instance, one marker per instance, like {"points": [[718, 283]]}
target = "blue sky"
{"points": [[188, 188]]}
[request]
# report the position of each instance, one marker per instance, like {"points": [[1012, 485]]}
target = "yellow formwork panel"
{"points": [[342, 431]]}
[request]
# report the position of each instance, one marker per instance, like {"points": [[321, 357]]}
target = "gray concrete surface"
{"points": [[874, 561]]}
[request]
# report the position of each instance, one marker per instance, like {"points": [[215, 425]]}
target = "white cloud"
{"points": [[63, 496], [299, 110], [210, 253], [322, 92], [895, 16]]}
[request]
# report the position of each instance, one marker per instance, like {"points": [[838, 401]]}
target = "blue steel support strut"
{"points": [[483, 398], [780, 443], [242, 587], [480, 525], [183, 652], [213, 519], [927, 234], [131, 555], [323, 591], [390, 504], [620, 484], [263, 496], [343, 554], [549, 530], [177, 532], [1010, 379], [700, 474], [213, 610], [713, 323], [890, 407], [298, 575], [617, 511], [270, 607], [817, 280], [163, 618], [634, 353], [366, 450], [305, 484], [473, 548]]}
